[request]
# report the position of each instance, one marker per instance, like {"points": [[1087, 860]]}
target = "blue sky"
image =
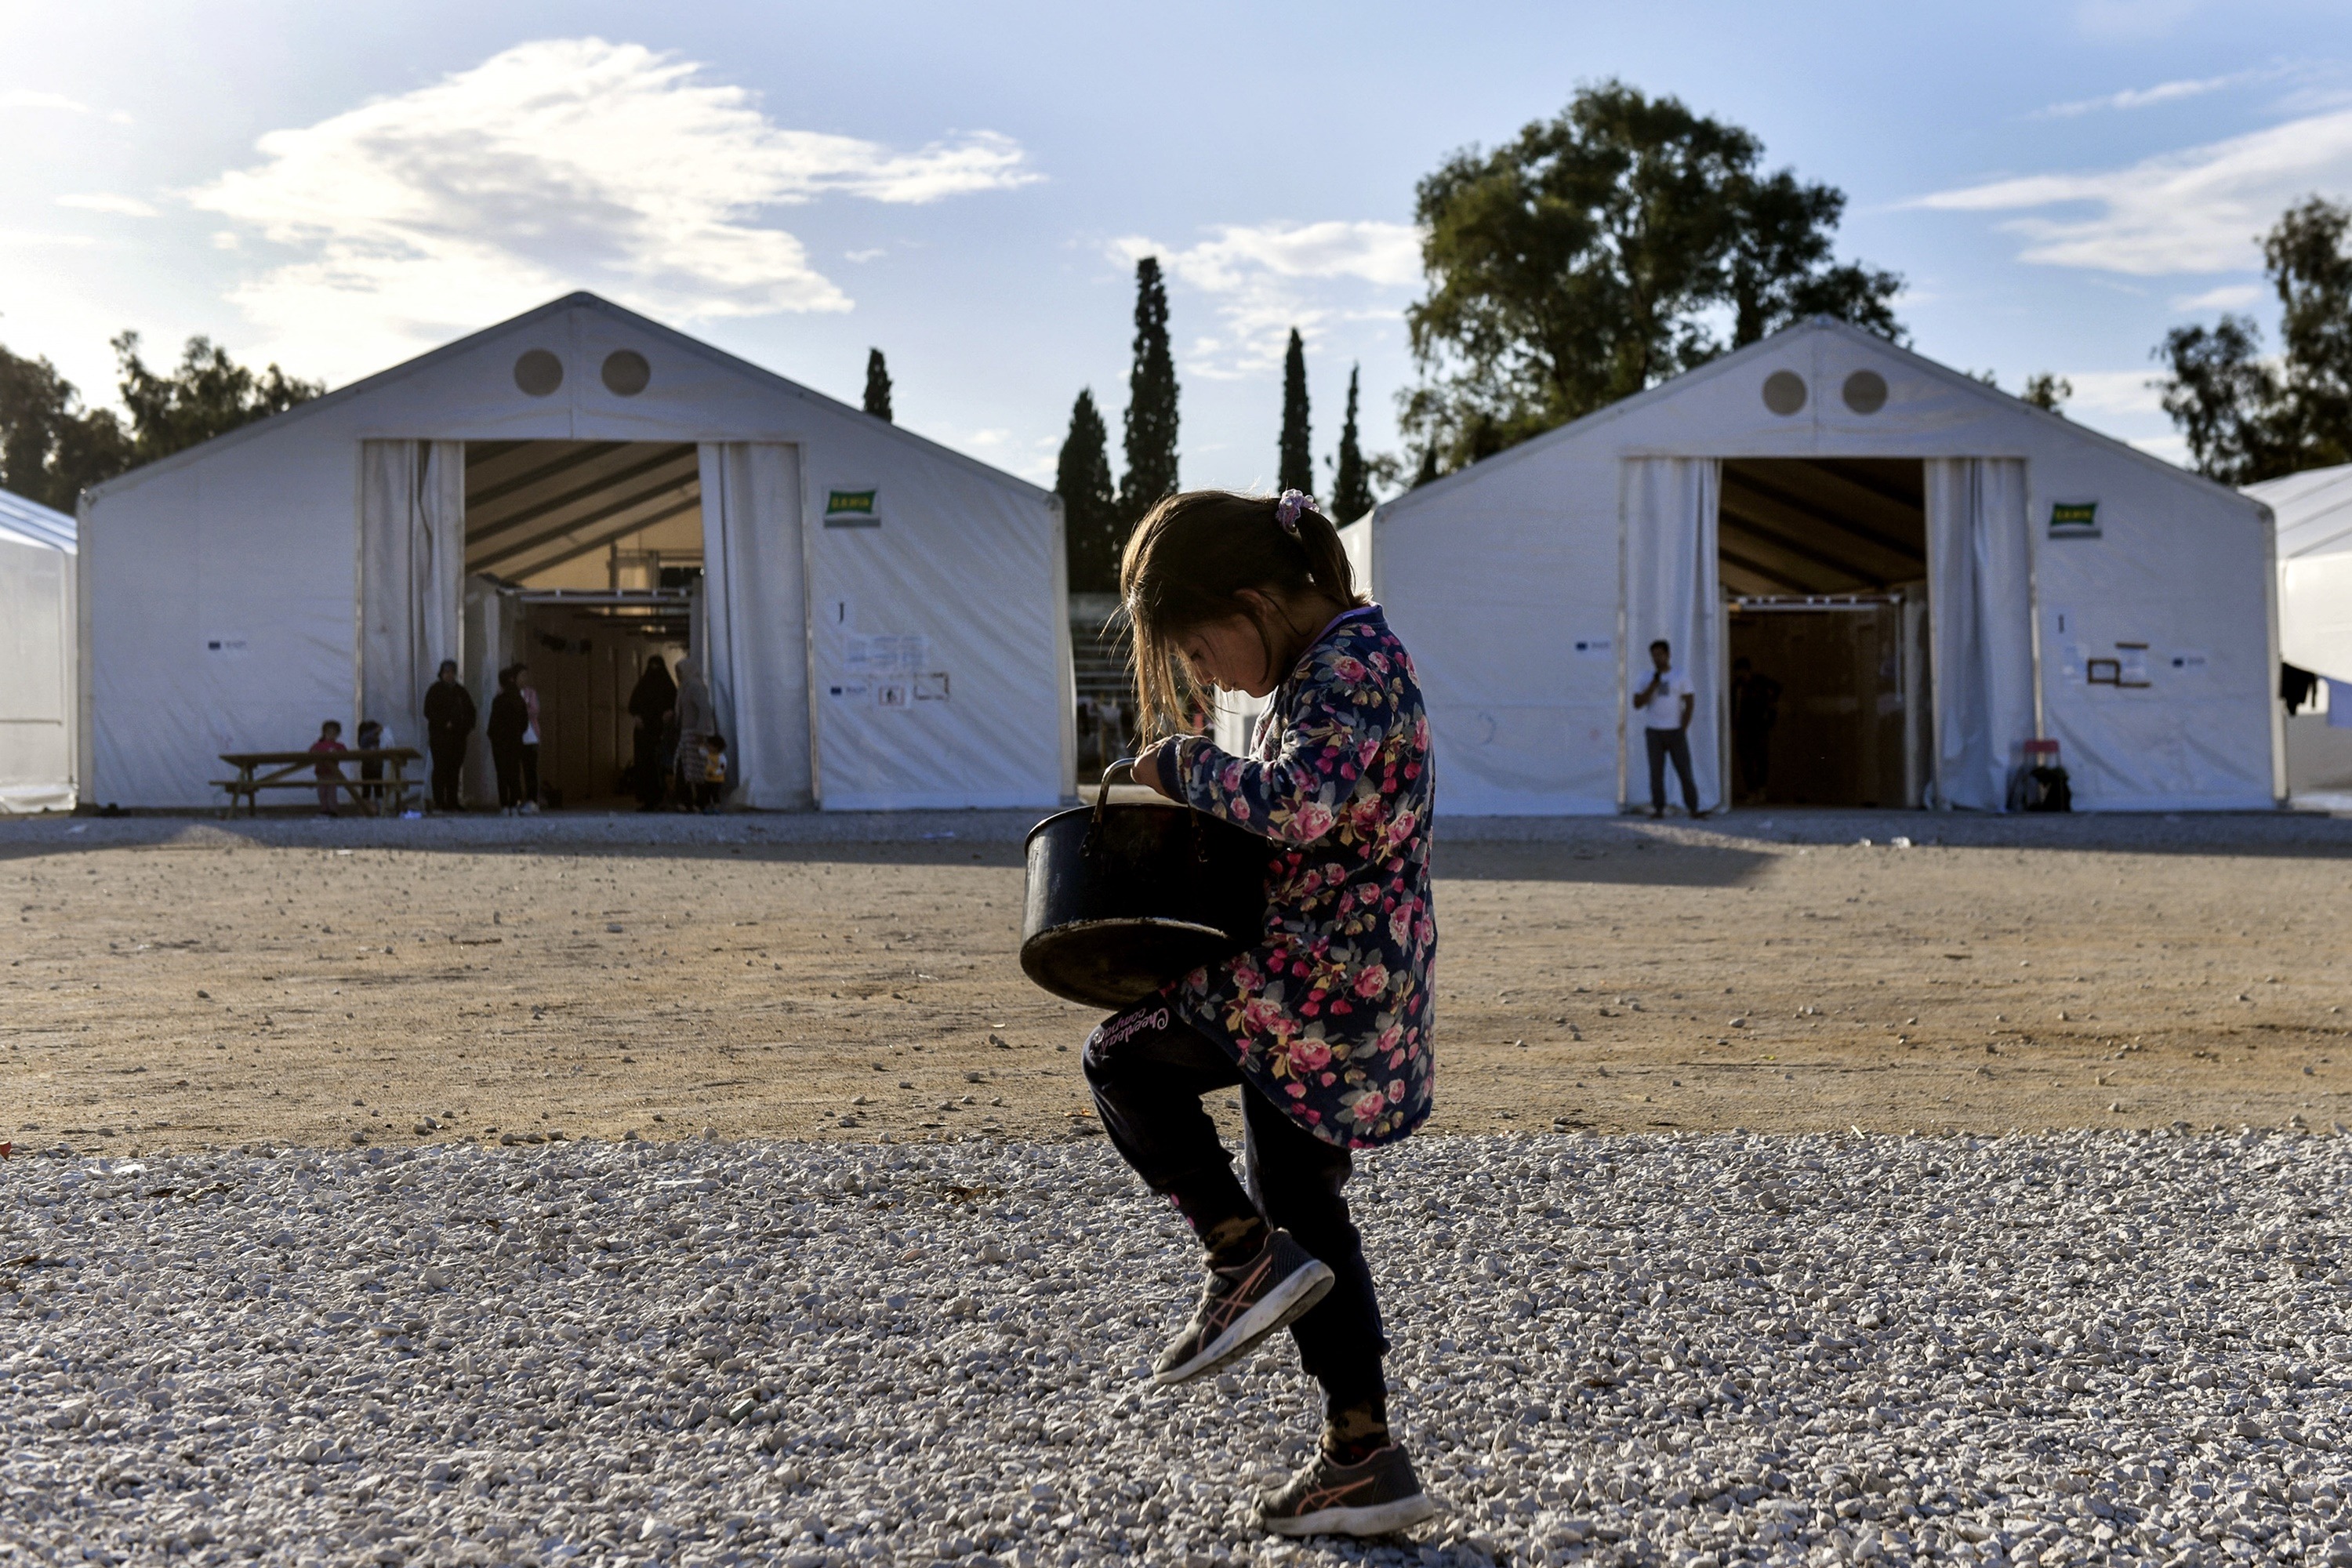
{"points": [[965, 187]]}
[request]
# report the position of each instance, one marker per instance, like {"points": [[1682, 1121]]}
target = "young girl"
{"points": [[1324, 1024]]}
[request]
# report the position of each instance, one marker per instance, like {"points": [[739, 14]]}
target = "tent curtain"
{"points": [[1979, 596], [754, 620], [411, 574], [1668, 508]]}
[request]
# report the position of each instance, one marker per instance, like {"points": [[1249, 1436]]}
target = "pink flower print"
{"points": [[1348, 668], [1365, 817], [1229, 778], [1368, 1106], [1369, 982], [1389, 1039], [1260, 1017], [1309, 1056], [1311, 821], [1246, 978]]}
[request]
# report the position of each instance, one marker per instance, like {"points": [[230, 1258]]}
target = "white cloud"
{"points": [[27, 97], [1269, 278], [867, 255], [99, 202], [2199, 210], [2113, 392], [2147, 97], [553, 165], [2229, 297]]}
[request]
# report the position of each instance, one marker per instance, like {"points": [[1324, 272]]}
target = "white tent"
{"points": [[880, 617], [1946, 571], [2313, 513], [37, 707]]}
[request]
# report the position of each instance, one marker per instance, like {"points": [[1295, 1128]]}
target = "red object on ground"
{"points": [[6, 1149]]}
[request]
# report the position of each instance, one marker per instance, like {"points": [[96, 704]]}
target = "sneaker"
{"points": [[1377, 1497], [1243, 1305]]}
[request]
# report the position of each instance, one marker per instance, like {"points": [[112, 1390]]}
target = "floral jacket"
{"points": [[1329, 1014]]}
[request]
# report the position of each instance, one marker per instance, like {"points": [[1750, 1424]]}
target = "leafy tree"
{"points": [[1091, 533], [51, 448], [2049, 391], [2248, 419], [1428, 469], [877, 386], [207, 395], [1150, 400], [1296, 469], [1352, 483], [1597, 254]]}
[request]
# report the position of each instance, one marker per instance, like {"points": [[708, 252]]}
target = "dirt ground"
{"points": [[168, 984]]}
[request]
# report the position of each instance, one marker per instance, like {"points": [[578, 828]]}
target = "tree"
{"points": [[877, 386], [1296, 468], [1352, 484], [1150, 401], [51, 449], [2247, 419], [1091, 534], [2048, 392], [207, 395], [1597, 254]]}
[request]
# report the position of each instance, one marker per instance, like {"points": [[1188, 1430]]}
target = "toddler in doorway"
{"points": [[329, 742], [714, 773]]}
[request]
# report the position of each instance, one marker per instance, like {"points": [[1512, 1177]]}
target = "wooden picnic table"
{"points": [[376, 796]]}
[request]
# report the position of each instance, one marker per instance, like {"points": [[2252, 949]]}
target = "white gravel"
{"points": [[2069, 1348]]}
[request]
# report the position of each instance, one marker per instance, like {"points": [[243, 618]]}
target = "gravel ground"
{"points": [[1691, 1350]]}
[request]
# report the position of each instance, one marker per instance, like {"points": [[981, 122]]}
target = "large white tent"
{"points": [[2312, 513], [1943, 572], [37, 707], [880, 617]]}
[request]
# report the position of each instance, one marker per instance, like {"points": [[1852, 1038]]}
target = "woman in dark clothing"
{"points": [[509, 718], [650, 705]]}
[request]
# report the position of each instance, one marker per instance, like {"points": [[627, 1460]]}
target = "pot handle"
{"points": [[1125, 767]]}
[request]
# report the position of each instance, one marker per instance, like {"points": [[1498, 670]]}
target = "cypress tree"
{"points": [[1351, 487], [1150, 400], [1297, 466], [877, 386], [1091, 534], [1428, 470]]}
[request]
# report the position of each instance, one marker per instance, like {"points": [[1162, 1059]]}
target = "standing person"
{"points": [[713, 788], [529, 739], [371, 738], [1755, 709], [450, 720], [650, 704], [509, 718], [1666, 703], [695, 721], [1325, 1022], [329, 742]]}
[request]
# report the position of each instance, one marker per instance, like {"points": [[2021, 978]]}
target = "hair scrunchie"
{"points": [[1287, 510]]}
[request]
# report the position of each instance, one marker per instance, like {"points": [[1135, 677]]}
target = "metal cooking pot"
{"points": [[1124, 898]]}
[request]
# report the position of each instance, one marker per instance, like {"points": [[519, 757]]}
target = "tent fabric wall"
{"points": [[1671, 592], [38, 647], [412, 543], [1506, 581], [2312, 514], [755, 618], [1980, 624]]}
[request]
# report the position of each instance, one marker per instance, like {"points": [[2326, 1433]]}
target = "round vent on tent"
{"points": [[1866, 392], [626, 373], [1784, 392], [537, 373]]}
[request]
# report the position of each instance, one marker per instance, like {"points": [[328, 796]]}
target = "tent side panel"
{"points": [[36, 701], [2170, 592], [936, 641], [222, 615], [1507, 599]]}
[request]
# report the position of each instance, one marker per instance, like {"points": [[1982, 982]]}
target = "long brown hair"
{"points": [[1184, 568]]}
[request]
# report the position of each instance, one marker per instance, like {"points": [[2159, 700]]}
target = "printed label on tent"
{"points": [[853, 509], [892, 694], [932, 687], [886, 654], [2189, 661], [848, 690], [2075, 519], [235, 647], [1591, 647]]}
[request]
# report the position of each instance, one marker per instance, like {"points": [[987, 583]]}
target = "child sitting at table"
{"points": [[329, 740]]}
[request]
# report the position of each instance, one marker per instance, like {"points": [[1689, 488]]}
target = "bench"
{"points": [[298, 770]]}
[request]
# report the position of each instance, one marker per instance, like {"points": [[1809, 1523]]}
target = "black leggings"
{"points": [[1149, 1071]]}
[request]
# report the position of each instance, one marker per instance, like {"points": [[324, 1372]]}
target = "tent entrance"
{"points": [[585, 652], [1824, 570]]}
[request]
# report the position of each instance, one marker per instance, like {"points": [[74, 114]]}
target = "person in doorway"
{"points": [[530, 805], [1665, 703], [695, 721], [1324, 1023], [1755, 709], [331, 772], [651, 704], [713, 787], [450, 720], [372, 737], [508, 720]]}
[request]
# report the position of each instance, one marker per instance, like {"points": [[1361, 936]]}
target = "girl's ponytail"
{"points": [[1185, 566]]}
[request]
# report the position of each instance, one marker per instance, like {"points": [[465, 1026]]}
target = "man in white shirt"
{"points": [[1666, 703]]}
